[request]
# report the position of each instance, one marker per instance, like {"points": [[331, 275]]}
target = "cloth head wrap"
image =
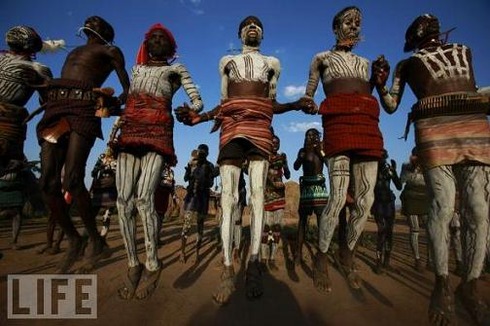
{"points": [[23, 39], [142, 57]]}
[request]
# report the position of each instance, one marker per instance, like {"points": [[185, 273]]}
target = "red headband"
{"points": [[142, 56]]}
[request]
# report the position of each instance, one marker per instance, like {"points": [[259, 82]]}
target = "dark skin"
{"points": [[245, 89], [233, 89], [423, 84], [310, 157], [91, 63], [95, 61]]}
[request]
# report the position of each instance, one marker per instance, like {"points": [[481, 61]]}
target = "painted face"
{"points": [[251, 33], [159, 45], [349, 26]]}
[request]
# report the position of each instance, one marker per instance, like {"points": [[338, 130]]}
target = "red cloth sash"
{"points": [[247, 118], [147, 123], [351, 124]]}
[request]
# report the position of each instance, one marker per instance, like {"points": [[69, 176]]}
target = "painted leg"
{"points": [[186, 227], [230, 175], [257, 171]]}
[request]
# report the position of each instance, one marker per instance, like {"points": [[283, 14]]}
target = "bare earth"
{"points": [[184, 293]]}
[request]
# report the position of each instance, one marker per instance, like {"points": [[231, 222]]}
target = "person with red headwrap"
{"points": [[144, 145]]}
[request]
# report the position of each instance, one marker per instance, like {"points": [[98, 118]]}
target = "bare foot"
{"points": [[236, 256], [272, 266], [253, 280], [71, 256], [467, 294], [226, 287], [182, 258], [148, 283], [43, 250], [53, 251], [196, 259], [441, 308], [343, 258], [133, 277], [297, 260], [100, 250], [320, 273]]}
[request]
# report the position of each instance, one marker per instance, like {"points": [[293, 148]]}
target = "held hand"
{"points": [[380, 70], [186, 115], [307, 105]]}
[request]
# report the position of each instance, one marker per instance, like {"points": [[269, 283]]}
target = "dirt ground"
{"points": [[183, 296]]}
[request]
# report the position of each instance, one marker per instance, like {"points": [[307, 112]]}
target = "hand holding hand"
{"points": [[307, 105], [380, 70], [186, 115]]}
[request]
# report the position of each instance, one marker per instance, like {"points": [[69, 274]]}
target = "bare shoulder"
{"points": [[114, 50], [274, 62], [224, 61]]}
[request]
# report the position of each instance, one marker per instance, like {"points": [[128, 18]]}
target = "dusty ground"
{"points": [[184, 293]]}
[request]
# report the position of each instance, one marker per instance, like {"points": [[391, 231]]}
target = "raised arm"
{"points": [[390, 99]]}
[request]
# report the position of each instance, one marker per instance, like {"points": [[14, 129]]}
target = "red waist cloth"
{"points": [[246, 118], [350, 124], [147, 124]]}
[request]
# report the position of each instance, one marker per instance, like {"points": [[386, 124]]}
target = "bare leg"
{"points": [[16, 223], [301, 238], [186, 227], [200, 233]]}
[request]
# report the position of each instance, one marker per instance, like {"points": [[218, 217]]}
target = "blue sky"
{"points": [[294, 31]]}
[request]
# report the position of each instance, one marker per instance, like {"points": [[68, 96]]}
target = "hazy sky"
{"points": [[294, 31]]}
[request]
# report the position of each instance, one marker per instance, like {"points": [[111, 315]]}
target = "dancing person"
{"points": [[352, 142], [163, 193], [415, 205], [452, 135], [200, 176], [384, 211], [144, 145], [20, 77], [68, 130], [275, 202], [248, 91], [313, 190], [103, 190]]}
